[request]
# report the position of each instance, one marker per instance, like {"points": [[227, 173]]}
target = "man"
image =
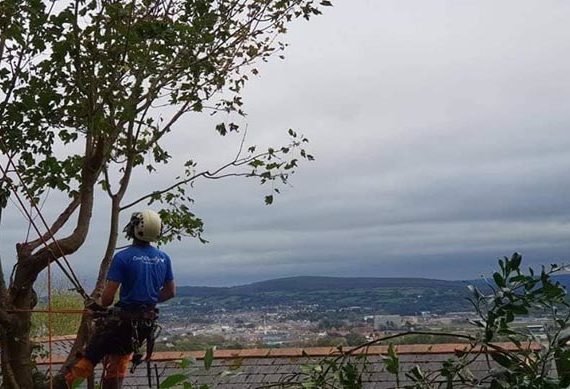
{"points": [[144, 274]]}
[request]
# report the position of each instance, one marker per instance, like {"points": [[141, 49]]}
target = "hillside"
{"points": [[379, 295], [388, 295], [310, 284]]}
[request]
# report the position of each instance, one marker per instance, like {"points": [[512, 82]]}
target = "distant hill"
{"points": [[406, 296], [311, 284], [387, 295], [564, 280]]}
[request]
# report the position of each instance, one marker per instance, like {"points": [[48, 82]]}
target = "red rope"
{"points": [[68, 311], [49, 326]]}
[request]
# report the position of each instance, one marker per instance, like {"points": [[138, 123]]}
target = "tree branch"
{"points": [[56, 226], [91, 170], [236, 162]]}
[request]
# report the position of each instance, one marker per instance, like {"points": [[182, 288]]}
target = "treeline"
{"points": [[400, 300]]}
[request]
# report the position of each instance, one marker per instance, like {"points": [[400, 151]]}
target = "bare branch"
{"points": [[205, 174], [160, 192], [108, 181]]}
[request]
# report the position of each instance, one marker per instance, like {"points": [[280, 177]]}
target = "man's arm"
{"points": [[108, 294], [167, 292]]}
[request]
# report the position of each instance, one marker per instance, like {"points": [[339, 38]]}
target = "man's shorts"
{"points": [[117, 338]]}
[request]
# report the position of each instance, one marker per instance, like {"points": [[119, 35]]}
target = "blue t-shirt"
{"points": [[142, 271]]}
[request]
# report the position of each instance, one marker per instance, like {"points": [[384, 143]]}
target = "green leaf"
{"points": [[518, 309], [209, 358], [562, 359], [173, 380], [516, 259], [499, 280], [502, 359], [392, 362], [221, 128]]}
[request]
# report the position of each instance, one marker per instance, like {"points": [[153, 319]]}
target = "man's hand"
{"points": [[167, 292], [94, 306]]}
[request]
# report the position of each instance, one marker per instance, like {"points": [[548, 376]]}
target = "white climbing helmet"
{"points": [[145, 226]]}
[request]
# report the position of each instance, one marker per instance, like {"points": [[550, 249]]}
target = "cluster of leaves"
{"points": [[101, 73], [270, 166], [513, 294], [184, 379]]}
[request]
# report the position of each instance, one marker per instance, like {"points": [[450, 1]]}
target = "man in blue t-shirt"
{"points": [[144, 275]]}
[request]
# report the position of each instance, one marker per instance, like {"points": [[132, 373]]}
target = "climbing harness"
{"points": [[144, 330]]}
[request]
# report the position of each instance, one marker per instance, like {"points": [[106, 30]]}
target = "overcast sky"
{"points": [[441, 142]]}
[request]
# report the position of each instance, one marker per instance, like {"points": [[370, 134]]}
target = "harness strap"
{"points": [[150, 340]]}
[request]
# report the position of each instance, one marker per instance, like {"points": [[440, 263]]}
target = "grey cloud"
{"points": [[441, 134]]}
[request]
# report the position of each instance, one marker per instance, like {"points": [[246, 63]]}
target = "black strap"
{"points": [[150, 340], [137, 355]]}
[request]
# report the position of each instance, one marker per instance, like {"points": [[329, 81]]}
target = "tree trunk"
{"points": [[17, 351], [8, 378], [16, 345], [85, 328]]}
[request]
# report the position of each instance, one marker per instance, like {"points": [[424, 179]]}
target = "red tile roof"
{"points": [[259, 367]]}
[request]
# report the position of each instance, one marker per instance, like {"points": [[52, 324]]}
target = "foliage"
{"points": [[184, 378], [99, 74]]}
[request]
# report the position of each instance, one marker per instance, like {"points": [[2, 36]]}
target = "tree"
{"points": [[93, 76]]}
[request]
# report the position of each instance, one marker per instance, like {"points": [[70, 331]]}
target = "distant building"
{"points": [[537, 330], [387, 321]]}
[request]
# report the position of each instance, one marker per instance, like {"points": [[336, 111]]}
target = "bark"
{"points": [[16, 345], [8, 378], [57, 225]]}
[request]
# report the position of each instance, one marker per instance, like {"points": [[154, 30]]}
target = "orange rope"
{"points": [[49, 326], [70, 311]]}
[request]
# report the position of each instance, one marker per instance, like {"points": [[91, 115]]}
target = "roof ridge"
{"points": [[294, 352]]}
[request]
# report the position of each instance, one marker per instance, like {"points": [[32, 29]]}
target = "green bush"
{"points": [[61, 323]]}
